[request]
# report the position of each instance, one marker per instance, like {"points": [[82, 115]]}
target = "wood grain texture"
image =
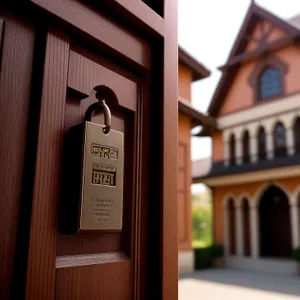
{"points": [[1, 37], [40, 281], [100, 27], [170, 144], [103, 281], [89, 259], [85, 74], [142, 12], [15, 80]]}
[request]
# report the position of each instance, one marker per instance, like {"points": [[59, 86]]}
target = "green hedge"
{"points": [[203, 258], [204, 255], [217, 250], [296, 254]]}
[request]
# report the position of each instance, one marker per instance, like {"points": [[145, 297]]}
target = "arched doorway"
{"points": [[232, 233], [275, 225], [246, 226]]}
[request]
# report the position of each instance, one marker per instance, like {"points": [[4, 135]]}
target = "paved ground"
{"points": [[238, 285]]}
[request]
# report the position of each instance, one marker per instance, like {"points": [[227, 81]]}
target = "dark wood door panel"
{"points": [[52, 68], [17, 39], [40, 279], [102, 281], [94, 23], [61, 108], [96, 254], [84, 243], [85, 75]]}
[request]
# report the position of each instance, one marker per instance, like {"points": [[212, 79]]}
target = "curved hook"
{"points": [[107, 115]]}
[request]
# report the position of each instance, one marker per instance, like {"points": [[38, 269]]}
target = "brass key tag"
{"points": [[101, 203]]}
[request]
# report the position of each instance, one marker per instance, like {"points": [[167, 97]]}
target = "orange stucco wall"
{"points": [[217, 146], [184, 82], [184, 183], [241, 95], [219, 193]]}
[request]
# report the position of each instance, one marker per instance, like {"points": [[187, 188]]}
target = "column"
{"points": [[253, 148], [290, 142], [238, 151], [254, 220], [239, 228], [226, 230], [294, 209], [270, 145], [226, 153]]}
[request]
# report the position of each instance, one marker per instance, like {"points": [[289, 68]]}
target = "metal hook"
{"points": [[107, 115]]}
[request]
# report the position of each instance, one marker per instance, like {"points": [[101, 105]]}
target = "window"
{"points": [[232, 150], [296, 130], [246, 144], [267, 77], [262, 153], [269, 83], [279, 140]]}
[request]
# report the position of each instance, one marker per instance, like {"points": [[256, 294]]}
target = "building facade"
{"points": [[189, 70], [255, 173]]}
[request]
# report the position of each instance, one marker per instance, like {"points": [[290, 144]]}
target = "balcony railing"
{"points": [[262, 156], [253, 163]]}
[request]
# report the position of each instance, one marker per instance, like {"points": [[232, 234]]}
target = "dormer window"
{"points": [[267, 78], [269, 83]]}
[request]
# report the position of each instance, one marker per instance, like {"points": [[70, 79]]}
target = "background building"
{"points": [[189, 70], [255, 174]]}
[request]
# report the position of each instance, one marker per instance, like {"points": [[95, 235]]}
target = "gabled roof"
{"points": [[295, 21], [199, 70], [197, 117], [237, 55]]}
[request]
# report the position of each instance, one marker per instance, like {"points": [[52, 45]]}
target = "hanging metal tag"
{"points": [[100, 185], [102, 179]]}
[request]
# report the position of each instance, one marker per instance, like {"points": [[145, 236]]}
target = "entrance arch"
{"points": [[275, 224]]}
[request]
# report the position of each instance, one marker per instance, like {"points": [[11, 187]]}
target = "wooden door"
{"points": [[60, 60]]}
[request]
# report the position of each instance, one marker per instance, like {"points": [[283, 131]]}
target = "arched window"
{"points": [[269, 83], [261, 140], [231, 226], [246, 145], [296, 130], [279, 139], [232, 149]]}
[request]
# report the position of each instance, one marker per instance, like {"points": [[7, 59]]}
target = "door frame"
{"points": [[161, 68]]}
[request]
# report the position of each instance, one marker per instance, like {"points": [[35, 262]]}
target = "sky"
{"points": [[207, 30]]}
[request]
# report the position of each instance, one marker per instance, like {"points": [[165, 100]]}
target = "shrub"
{"points": [[202, 224], [296, 254], [203, 257], [217, 250]]}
